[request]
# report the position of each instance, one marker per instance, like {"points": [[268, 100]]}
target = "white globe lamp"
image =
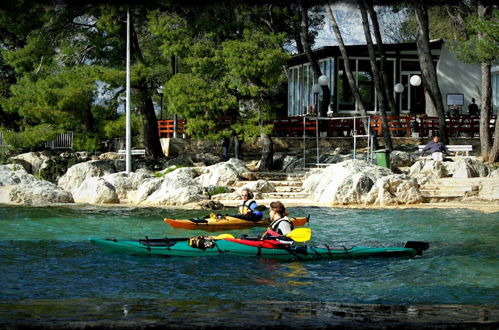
{"points": [[322, 80], [415, 80], [399, 88]]}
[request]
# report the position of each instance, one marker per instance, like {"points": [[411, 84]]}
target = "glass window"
{"points": [[365, 83], [345, 97]]}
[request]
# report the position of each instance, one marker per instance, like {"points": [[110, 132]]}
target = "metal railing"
{"points": [[62, 141]]}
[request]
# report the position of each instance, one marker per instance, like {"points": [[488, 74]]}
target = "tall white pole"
{"points": [[128, 157]]}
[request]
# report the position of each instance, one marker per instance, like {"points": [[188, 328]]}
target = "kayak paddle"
{"points": [[300, 234], [222, 236]]}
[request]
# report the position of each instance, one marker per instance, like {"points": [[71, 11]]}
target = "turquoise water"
{"points": [[45, 255]]}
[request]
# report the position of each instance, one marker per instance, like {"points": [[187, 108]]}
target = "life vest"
{"points": [[274, 230], [244, 208]]}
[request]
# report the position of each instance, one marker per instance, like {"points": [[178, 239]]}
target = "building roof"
{"points": [[407, 49]]}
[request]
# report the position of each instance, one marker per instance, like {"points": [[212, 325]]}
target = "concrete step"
{"points": [[456, 189], [276, 183], [289, 188], [284, 195], [436, 193], [272, 176]]}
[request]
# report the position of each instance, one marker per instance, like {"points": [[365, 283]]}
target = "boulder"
{"points": [[494, 174], [95, 190], [49, 165], [18, 186], [260, 186], [14, 174], [222, 174], [402, 159], [144, 190], [347, 182], [31, 161], [467, 168], [426, 171], [39, 193], [176, 188], [124, 183], [394, 189], [76, 174]]}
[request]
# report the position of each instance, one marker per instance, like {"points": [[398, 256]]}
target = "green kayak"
{"points": [[179, 247]]}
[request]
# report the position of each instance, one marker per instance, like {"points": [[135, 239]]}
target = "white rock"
{"points": [[394, 189], [95, 190], [40, 193], [176, 188], [347, 182], [222, 174], [125, 183], [17, 186], [13, 174], [76, 174], [260, 186]]}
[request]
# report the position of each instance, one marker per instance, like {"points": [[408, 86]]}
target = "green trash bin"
{"points": [[383, 158]]}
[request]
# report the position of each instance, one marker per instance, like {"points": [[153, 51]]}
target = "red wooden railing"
{"points": [[399, 126], [166, 127]]}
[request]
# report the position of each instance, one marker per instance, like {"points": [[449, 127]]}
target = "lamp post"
{"points": [[323, 81], [160, 92], [316, 89]]}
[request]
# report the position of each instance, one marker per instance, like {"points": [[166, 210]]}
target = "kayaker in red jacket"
{"points": [[280, 224]]}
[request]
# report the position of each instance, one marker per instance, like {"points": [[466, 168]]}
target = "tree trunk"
{"points": [[486, 106], [494, 154], [376, 75], [326, 92], [348, 70], [267, 160], [146, 109], [387, 90], [429, 74], [151, 135]]}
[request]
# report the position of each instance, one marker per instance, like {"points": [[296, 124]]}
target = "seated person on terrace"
{"points": [[437, 148], [247, 209]]}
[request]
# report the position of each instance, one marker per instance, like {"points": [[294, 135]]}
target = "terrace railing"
{"points": [[62, 141]]}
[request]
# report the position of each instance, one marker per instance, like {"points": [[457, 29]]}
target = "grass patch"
{"points": [[166, 171], [218, 190]]}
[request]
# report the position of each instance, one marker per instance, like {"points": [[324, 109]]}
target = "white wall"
{"points": [[457, 77]]}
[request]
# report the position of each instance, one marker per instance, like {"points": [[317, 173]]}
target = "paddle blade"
{"points": [[222, 236], [300, 234], [261, 208]]}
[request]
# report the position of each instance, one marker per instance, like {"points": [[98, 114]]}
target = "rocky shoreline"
{"points": [[202, 181]]}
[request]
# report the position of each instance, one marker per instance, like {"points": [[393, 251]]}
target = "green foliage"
{"points": [[482, 43], [254, 63], [56, 99], [166, 171], [217, 190], [32, 137]]}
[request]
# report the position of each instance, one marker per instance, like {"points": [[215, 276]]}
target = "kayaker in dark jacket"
{"points": [[280, 224], [247, 209]]}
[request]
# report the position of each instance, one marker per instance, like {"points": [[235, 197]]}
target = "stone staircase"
{"points": [[450, 189], [288, 187]]}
